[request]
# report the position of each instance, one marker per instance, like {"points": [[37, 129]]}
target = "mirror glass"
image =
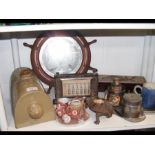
{"points": [[60, 54]]}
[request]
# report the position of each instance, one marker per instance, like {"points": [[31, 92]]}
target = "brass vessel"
{"points": [[30, 104]]}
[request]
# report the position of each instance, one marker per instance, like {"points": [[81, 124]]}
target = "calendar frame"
{"points": [[79, 79]]}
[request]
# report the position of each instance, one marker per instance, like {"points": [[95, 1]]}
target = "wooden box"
{"points": [[128, 82]]}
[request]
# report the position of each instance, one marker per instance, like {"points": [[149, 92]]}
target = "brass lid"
{"points": [[132, 98], [25, 73]]}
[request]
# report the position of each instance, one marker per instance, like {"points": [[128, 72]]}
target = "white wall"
{"points": [[6, 68], [110, 55], [118, 55]]}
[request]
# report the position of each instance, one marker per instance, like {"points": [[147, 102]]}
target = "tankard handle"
{"points": [[136, 88]]}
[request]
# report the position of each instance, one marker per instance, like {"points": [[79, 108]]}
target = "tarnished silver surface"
{"points": [[60, 54]]}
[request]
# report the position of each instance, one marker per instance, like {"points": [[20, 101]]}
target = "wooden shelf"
{"points": [[107, 124], [84, 26], [114, 123]]}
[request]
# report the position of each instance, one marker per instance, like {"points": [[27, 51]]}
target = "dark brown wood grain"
{"points": [[128, 82]]}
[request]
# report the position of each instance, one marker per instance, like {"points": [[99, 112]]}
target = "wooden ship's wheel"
{"points": [[62, 52]]}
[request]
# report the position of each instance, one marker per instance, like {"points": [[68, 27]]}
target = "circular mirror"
{"points": [[60, 54], [66, 52]]}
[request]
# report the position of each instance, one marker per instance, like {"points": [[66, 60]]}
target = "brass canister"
{"points": [[30, 104], [133, 110]]}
